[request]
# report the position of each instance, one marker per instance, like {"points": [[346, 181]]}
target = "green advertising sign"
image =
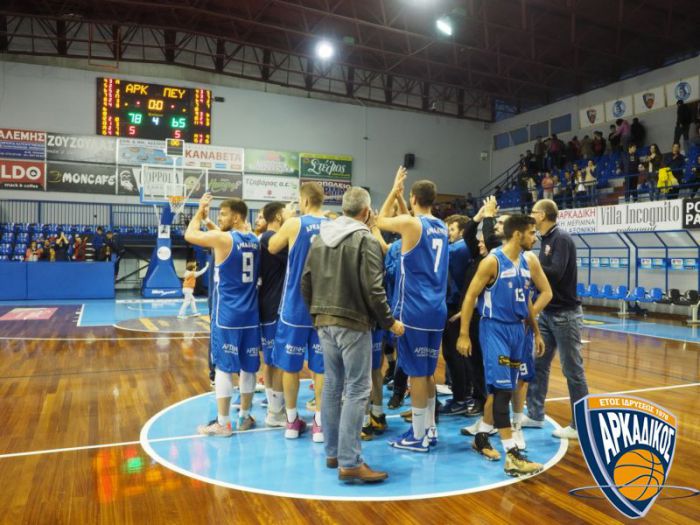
{"points": [[272, 162], [317, 166]]}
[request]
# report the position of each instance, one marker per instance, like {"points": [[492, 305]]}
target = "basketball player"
{"points": [[501, 283], [272, 270], [190, 280], [235, 319], [421, 302], [295, 335]]}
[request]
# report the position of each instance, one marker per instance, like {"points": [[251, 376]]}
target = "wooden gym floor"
{"points": [[90, 391]]}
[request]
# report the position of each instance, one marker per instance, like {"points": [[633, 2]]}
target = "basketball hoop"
{"points": [[177, 203]]}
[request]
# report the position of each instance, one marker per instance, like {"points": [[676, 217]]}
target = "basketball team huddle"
{"points": [[260, 310]]}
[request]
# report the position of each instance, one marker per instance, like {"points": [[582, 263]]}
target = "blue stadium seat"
{"points": [[581, 290], [4, 257], [22, 237], [618, 293], [592, 291], [656, 295], [639, 294], [605, 292], [18, 258], [5, 249]]}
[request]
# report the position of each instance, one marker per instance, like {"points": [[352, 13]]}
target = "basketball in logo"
{"points": [[619, 108], [639, 474], [628, 444], [683, 91]]}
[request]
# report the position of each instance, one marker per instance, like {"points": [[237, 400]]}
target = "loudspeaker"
{"points": [[409, 160]]}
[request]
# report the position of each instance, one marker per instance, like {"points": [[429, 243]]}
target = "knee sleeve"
{"points": [[224, 384], [501, 408], [388, 349], [247, 382]]}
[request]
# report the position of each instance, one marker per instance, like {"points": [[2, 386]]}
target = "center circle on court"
{"points": [[264, 462]]}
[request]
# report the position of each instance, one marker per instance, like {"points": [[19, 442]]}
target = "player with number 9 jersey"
{"points": [[235, 313]]}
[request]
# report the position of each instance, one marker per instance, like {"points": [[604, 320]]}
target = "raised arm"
{"points": [[202, 271], [195, 235], [288, 232]]}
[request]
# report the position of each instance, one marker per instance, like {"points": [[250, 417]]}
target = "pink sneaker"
{"points": [[215, 430], [295, 429], [316, 433]]}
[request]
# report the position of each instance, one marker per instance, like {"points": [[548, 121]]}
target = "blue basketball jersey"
{"points": [[506, 299], [293, 310], [235, 284], [423, 285], [392, 271]]}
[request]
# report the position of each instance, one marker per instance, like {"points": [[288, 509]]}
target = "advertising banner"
{"points": [[317, 166], [649, 100], [127, 177], [22, 144], [333, 190], [81, 177], [592, 116], [22, 174], [195, 181], [142, 151], [270, 188], [640, 216], [80, 148], [580, 220], [272, 162], [225, 184], [685, 90], [619, 108], [691, 214], [213, 157]]}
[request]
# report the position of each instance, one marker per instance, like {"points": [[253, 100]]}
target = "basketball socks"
{"points": [[508, 444], [317, 418], [292, 415], [276, 401], [430, 413], [377, 410], [517, 419], [418, 422], [224, 420], [268, 396], [484, 427]]}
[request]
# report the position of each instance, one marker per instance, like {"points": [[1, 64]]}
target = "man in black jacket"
{"points": [[684, 117], [342, 285]]}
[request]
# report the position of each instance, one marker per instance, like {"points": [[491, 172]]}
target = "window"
{"points": [[561, 124], [541, 129], [518, 136], [500, 141]]}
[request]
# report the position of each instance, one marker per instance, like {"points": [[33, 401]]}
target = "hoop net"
{"points": [[177, 203]]}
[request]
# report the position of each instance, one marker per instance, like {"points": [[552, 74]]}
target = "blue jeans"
{"points": [[347, 356], [562, 331]]}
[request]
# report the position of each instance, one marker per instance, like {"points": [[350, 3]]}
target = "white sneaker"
{"points": [[278, 419], [527, 422], [473, 429], [259, 387], [566, 433], [519, 438], [443, 390]]}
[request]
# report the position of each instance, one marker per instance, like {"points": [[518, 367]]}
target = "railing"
{"points": [[503, 180]]}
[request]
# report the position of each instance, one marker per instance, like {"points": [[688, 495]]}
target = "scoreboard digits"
{"points": [[153, 111]]}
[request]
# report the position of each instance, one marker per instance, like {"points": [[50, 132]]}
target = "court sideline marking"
{"points": [[175, 438]]}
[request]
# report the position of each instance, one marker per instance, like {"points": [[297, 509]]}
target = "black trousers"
{"points": [[456, 362], [475, 363]]}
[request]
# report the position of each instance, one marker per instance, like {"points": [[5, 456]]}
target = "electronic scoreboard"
{"points": [[153, 111]]}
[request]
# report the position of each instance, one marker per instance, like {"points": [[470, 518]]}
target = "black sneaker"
{"points": [[453, 408], [389, 374], [367, 433], [396, 401], [482, 445], [378, 423], [474, 408]]}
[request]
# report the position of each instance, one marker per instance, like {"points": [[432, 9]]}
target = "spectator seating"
{"points": [[639, 294]]}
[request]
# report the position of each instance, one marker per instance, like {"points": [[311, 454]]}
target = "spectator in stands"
{"points": [[573, 150], [638, 132], [533, 190], [555, 152], [530, 163], [624, 131], [580, 183], [693, 179], [567, 190], [613, 139], [33, 253], [695, 133], [586, 147], [540, 151], [79, 247], [498, 192], [591, 182], [48, 254], [684, 117], [676, 163], [653, 163], [61, 247], [98, 242], [630, 169], [668, 184], [547, 186], [114, 250], [556, 188], [598, 144]]}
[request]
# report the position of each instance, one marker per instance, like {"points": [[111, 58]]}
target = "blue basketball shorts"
{"points": [[502, 345], [268, 331], [418, 351], [527, 367], [377, 347], [293, 344], [235, 349]]}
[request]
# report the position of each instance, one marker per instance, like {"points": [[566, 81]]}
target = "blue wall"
{"points": [[57, 280]]}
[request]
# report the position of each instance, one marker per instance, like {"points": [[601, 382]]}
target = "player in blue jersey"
{"points": [[502, 285], [272, 273], [420, 302], [296, 336], [235, 318]]}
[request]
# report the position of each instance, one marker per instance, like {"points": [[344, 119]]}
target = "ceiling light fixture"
{"points": [[324, 50], [444, 25]]}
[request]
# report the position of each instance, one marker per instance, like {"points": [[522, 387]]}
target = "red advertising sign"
{"points": [[22, 174], [29, 314]]}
